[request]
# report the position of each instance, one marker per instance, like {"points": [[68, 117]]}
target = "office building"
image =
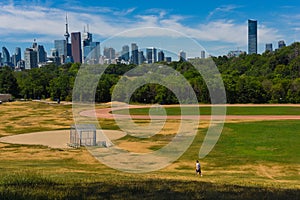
{"points": [[269, 47], [17, 55], [41, 54], [91, 50], [134, 54], [202, 54], [142, 58], [76, 47], [54, 57], [281, 44], [168, 59], [5, 57], [30, 58], [92, 53], [125, 53], [151, 55], [182, 55], [161, 56], [61, 46], [109, 53], [252, 36]]}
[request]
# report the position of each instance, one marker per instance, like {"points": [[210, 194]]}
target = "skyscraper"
{"points": [[281, 44], [125, 53], [91, 50], [269, 47], [134, 54], [18, 55], [5, 57], [182, 55], [30, 58], [41, 54], [161, 56], [151, 55], [109, 53], [252, 36], [61, 47], [202, 54], [142, 58], [76, 47]]}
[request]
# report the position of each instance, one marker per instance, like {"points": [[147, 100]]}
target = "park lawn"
{"points": [[252, 160], [206, 110]]}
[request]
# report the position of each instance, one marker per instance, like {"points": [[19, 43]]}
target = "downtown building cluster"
{"points": [[253, 41], [81, 49], [63, 52]]}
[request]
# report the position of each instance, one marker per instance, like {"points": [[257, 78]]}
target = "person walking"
{"points": [[198, 168]]}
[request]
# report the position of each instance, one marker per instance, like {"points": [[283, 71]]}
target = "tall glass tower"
{"points": [[76, 47], [134, 54], [252, 36]]}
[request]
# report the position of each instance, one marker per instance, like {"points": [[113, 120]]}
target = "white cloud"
{"points": [[222, 9]]}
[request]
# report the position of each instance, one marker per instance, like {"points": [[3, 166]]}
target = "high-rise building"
{"points": [[134, 54], [41, 54], [125, 53], [142, 58], [18, 55], [61, 47], [54, 56], [151, 55], [5, 57], [252, 36], [269, 47], [30, 58], [281, 44], [161, 56], [91, 50], [109, 53], [76, 47], [202, 54], [168, 59], [182, 55]]}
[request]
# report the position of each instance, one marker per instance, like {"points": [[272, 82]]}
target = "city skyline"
{"points": [[218, 27]]}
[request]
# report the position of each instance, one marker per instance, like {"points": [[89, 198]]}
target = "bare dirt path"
{"points": [[106, 113]]}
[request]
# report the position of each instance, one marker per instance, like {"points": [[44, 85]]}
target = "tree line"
{"points": [[272, 77]]}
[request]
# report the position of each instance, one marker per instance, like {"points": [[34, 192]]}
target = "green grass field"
{"points": [[206, 110], [252, 160]]}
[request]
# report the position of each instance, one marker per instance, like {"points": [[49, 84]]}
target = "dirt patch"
{"points": [[52, 139]]}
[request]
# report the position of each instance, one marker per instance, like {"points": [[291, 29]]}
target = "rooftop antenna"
{"points": [[67, 35]]}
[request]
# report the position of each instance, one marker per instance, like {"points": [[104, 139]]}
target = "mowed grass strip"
{"points": [[253, 142], [231, 110]]}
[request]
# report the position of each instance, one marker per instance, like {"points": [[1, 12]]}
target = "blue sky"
{"points": [[218, 26]]}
